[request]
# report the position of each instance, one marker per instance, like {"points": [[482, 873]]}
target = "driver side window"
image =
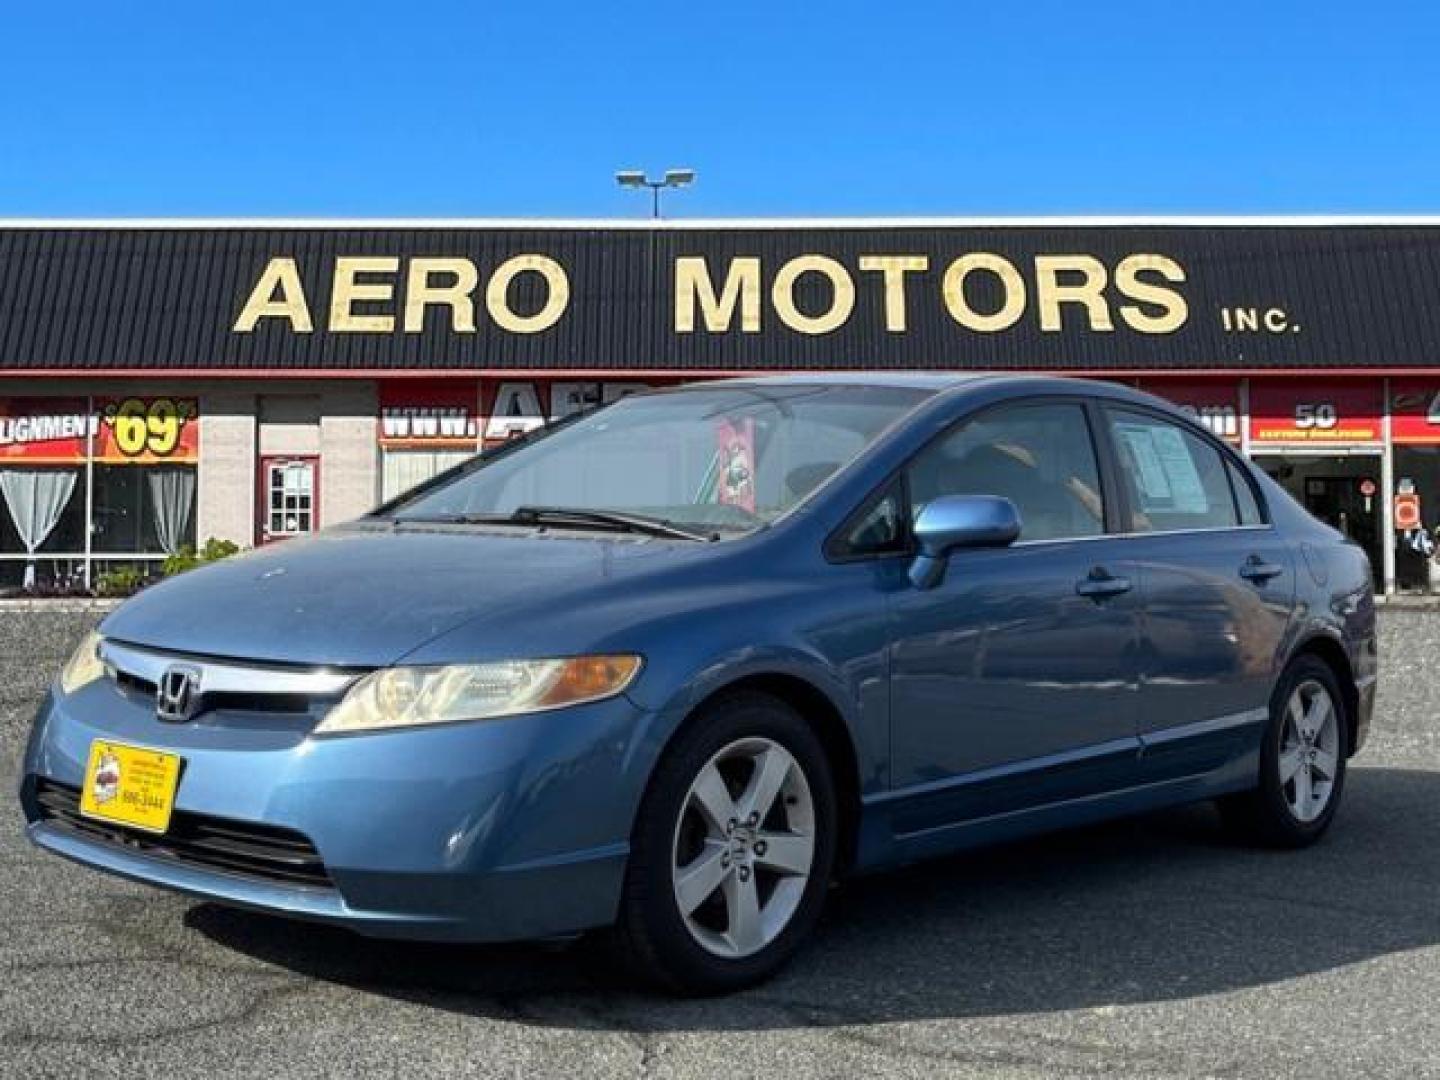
{"points": [[1041, 457]]}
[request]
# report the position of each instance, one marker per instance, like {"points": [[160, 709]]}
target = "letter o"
{"points": [[953, 289], [782, 294], [497, 294]]}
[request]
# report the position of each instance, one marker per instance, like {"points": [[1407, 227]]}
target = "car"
{"points": [[672, 667]]}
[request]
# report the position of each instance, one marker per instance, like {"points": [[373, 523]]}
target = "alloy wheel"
{"points": [[1309, 757], [744, 847]]}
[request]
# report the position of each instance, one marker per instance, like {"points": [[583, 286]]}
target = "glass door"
{"points": [[289, 492], [1341, 490]]}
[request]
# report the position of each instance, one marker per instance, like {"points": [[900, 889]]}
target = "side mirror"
{"points": [[959, 521]]}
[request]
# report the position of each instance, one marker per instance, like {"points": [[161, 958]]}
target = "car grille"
{"points": [[264, 852]]}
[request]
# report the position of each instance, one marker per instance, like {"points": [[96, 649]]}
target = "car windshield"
{"points": [[724, 458]]}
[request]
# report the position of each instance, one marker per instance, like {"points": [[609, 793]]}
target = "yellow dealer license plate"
{"points": [[130, 785]]}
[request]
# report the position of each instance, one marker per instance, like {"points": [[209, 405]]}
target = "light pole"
{"points": [[673, 178]]}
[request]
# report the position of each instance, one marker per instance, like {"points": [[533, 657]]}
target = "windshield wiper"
{"points": [[530, 516], [574, 515], [453, 519]]}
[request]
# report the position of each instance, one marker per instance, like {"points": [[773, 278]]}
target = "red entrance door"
{"points": [[289, 498]]}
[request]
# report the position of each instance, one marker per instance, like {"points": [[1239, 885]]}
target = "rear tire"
{"points": [[733, 849], [1302, 761]]}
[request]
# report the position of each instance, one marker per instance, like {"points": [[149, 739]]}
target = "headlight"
{"points": [[84, 665], [407, 696]]}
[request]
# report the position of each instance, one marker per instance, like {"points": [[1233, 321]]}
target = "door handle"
{"points": [[1257, 570], [1101, 584]]}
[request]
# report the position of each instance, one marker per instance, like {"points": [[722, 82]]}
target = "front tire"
{"points": [[733, 850], [1302, 761]]}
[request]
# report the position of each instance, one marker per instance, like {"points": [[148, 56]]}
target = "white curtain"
{"points": [[172, 494], [36, 498]]}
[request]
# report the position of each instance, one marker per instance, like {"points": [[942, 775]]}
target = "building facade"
{"points": [[166, 382]]}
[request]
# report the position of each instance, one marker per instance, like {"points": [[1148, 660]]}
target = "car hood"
{"points": [[365, 595]]}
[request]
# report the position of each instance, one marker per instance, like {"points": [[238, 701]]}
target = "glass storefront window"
{"points": [[44, 514], [1416, 569], [144, 509], [401, 470], [129, 462], [44, 510]]}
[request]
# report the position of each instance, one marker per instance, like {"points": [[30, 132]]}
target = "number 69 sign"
{"points": [[149, 429]]}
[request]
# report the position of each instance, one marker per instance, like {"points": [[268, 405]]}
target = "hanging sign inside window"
{"points": [[1306, 411], [1407, 506], [131, 430], [735, 460]]}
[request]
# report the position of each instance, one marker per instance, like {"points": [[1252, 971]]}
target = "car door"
{"points": [[1022, 661], [1216, 583]]}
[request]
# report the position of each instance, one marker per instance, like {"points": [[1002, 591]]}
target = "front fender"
{"points": [[861, 700]]}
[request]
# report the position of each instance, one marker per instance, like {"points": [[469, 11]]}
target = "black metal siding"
{"points": [[148, 299]]}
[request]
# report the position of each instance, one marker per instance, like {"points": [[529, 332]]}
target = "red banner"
{"points": [[1216, 404], [513, 407], [1315, 411], [439, 415], [121, 431], [1415, 411]]}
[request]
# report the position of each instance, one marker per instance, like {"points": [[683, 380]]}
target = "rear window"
{"points": [[1175, 479]]}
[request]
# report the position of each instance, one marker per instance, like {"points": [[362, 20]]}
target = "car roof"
{"points": [[949, 385], [916, 380]]}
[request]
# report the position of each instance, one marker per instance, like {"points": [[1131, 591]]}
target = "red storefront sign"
{"points": [[424, 415], [1215, 403], [1415, 411], [513, 407], [1315, 411], [132, 430]]}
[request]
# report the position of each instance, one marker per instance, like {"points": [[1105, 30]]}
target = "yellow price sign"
{"points": [[150, 427]]}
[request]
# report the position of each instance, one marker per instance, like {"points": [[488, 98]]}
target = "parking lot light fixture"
{"points": [[673, 178]]}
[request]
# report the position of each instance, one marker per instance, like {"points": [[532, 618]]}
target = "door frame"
{"points": [[262, 506]]}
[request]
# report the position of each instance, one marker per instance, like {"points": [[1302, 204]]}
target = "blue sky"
{"points": [[482, 108]]}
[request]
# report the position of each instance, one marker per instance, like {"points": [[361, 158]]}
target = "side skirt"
{"points": [[1200, 761]]}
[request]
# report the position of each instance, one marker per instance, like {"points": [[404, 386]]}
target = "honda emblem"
{"points": [[177, 694]]}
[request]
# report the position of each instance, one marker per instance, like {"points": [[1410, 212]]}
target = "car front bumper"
{"points": [[482, 831]]}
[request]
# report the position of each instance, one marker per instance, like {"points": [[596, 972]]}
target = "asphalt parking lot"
{"points": [[1147, 948]]}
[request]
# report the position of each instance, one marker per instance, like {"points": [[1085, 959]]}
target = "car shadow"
{"points": [[1145, 910]]}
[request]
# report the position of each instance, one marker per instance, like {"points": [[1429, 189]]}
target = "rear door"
{"points": [[1021, 664], [1217, 587]]}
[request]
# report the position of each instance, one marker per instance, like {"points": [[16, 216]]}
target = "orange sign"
{"points": [[1307, 411], [1407, 511], [120, 431]]}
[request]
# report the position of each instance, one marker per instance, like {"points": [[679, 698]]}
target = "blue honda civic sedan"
{"points": [[674, 666]]}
